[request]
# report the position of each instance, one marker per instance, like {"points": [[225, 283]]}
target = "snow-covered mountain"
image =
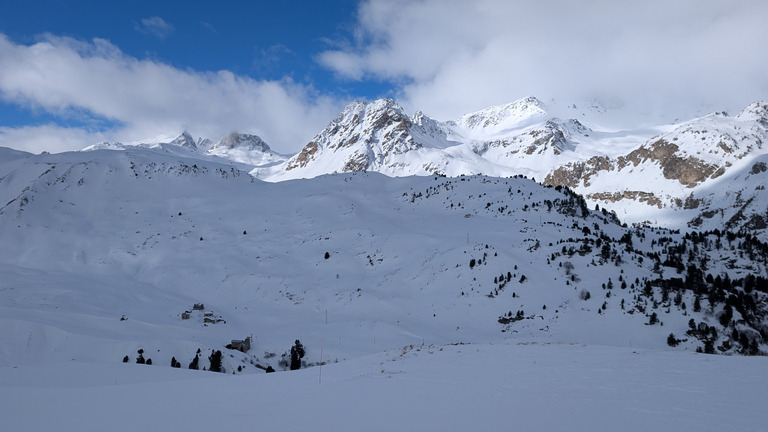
{"points": [[376, 136], [246, 149], [502, 120], [169, 143], [703, 173], [700, 173], [521, 137]]}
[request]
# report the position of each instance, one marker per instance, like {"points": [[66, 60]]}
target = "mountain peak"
{"points": [[517, 114], [364, 134], [184, 140], [239, 140], [757, 111]]}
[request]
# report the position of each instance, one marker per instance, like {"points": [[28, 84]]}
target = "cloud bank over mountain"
{"points": [[653, 60], [116, 95], [451, 57]]}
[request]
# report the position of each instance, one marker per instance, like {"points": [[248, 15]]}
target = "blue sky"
{"points": [[73, 73], [265, 39]]}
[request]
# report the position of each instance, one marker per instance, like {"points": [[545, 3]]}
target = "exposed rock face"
{"points": [[356, 162], [304, 156], [573, 174], [555, 137], [689, 171], [691, 203], [639, 196], [548, 138], [366, 134]]}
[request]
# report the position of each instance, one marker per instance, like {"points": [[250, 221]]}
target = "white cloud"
{"points": [[655, 56], [146, 98], [155, 26], [50, 138]]}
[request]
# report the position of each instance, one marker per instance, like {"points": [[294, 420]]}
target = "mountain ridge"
{"points": [[662, 175]]}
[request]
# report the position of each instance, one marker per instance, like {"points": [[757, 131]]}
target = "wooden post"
{"points": [[320, 377]]}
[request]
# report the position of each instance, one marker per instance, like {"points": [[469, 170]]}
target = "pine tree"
{"points": [[726, 316], [215, 359], [194, 365], [297, 353], [672, 341]]}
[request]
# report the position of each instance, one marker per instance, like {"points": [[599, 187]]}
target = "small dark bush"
{"points": [[672, 341]]}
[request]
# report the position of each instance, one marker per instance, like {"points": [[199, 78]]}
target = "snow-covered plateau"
{"points": [[432, 282]]}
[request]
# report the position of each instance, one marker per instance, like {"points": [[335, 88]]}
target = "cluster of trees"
{"points": [[740, 305], [214, 362], [702, 262], [139, 359], [690, 272], [297, 353], [508, 318], [214, 359]]}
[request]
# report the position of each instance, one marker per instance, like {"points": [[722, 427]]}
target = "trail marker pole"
{"points": [[320, 378]]}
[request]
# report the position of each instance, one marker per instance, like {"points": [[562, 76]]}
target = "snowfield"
{"points": [[545, 387], [432, 303]]}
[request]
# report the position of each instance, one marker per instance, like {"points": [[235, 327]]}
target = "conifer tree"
{"points": [[297, 353], [194, 365], [215, 359]]}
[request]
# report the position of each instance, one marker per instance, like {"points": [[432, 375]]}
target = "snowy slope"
{"points": [[539, 387], [455, 297], [409, 259]]}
